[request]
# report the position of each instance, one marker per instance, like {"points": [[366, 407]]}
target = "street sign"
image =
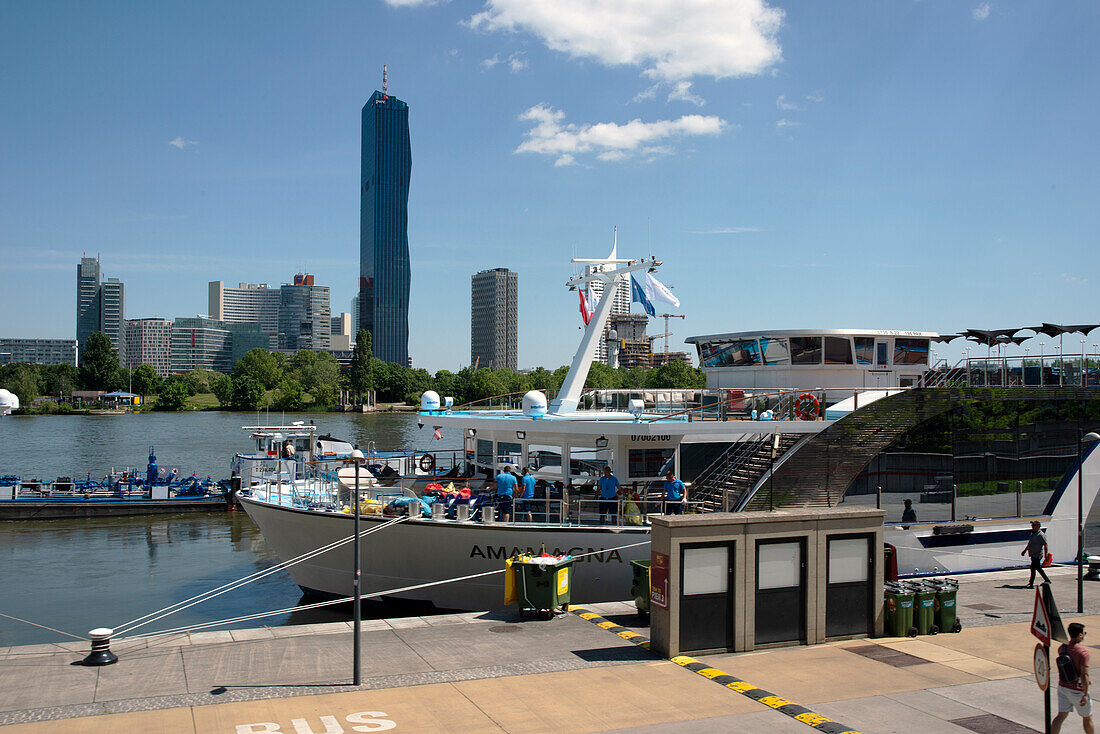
{"points": [[1040, 620], [1057, 629], [1042, 667]]}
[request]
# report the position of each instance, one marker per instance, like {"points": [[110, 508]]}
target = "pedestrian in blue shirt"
{"points": [[674, 494], [609, 495], [506, 484], [528, 496]]}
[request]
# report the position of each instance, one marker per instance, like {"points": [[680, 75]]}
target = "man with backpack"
{"points": [[1073, 680]]}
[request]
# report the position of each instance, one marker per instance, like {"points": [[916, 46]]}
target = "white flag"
{"points": [[655, 290]]}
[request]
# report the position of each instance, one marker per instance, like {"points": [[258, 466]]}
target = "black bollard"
{"points": [[101, 648]]}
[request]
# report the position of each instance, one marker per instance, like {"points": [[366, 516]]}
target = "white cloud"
{"points": [[490, 62], [726, 230], [672, 39], [785, 123], [180, 142], [609, 141], [682, 91], [982, 11], [782, 103], [516, 62], [648, 93], [818, 96], [409, 3]]}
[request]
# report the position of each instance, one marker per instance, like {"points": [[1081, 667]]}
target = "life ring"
{"points": [[807, 407], [427, 463]]}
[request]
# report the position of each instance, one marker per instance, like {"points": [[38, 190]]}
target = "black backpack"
{"points": [[1067, 671]]}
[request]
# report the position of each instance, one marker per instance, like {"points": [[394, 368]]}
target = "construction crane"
{"points": [[667, 334]]}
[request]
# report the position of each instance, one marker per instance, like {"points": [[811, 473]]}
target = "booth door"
{"points": [[706, 598], [848, 609], [780, 591]]}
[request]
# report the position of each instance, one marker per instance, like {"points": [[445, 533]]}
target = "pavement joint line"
{"points": [[772, 701]]}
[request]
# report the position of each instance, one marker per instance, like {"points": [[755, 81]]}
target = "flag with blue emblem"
{"points": [[637, 295]]}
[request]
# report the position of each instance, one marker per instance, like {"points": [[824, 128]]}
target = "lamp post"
{"points": [[357, 459], [1023, 367], [1087, 438]]}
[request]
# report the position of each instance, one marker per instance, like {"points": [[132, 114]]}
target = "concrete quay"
{"points": [[495, 672]]}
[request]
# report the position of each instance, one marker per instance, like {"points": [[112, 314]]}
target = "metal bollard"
{"points": [[101, 648]]}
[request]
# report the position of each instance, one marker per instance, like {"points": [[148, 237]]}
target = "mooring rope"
{"points": [[233, 585], [346, 599], [51, 629]]}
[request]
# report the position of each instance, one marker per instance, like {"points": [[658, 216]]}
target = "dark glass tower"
{"points": [[384, 227]]}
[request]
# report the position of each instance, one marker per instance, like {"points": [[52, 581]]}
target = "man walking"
{"points": [[1073, 695], [609, 494], [506, 484], [1037, 549]]}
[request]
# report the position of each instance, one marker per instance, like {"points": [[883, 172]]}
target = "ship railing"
{"points": [[1044, 370], [628, 512]]}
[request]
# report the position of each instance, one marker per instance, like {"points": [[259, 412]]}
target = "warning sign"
{"points": [[1040, 620]]}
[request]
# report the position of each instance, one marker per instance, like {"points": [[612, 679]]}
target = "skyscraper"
{"points": [[494, 318], [112, 314], [87, 299], [621, 304], [383, 226], [305, 318], [247, 304]]}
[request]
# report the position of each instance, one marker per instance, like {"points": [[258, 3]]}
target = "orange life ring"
{"points": [[807, 407], [427, 463]]}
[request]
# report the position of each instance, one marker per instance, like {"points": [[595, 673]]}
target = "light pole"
{"points": [[357, 459], [1089, 438], [1083, 362], [1023, 367]]}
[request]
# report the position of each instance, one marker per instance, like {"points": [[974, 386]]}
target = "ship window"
{"points": [[509, 453], [774, 351], [484, 452], [545, 462], [806, 349], [838, 350], [586, 464], [648, 462], [865, 349], [729, 353], [910, 351]]}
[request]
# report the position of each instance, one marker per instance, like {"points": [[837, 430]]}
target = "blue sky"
{"points": [[910, 165]]}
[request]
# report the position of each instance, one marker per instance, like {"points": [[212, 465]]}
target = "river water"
{"points": [[77, 574]]}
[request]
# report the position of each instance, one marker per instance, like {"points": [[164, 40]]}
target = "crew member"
{"points": [[908, 515], [528, 482], [674, 494], [609, 495], [506, 484]]}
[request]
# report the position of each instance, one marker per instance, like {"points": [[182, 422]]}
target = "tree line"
{"points": [[309, 379]]}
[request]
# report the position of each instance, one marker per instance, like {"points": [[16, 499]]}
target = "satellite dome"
{"points": [[8, 402], [534, 404], [429, 400]]}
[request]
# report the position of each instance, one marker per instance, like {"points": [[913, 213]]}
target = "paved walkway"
{"points": [[494, 672]]}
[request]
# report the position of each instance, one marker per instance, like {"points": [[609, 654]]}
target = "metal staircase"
{"points": [[723, 484]]}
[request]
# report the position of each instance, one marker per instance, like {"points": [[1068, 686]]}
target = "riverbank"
{"points": [[497, 672]]}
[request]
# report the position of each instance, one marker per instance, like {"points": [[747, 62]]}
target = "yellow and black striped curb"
{"points": [[780, 704]]}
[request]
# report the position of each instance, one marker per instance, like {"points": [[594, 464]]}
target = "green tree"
{"points": [[676, 374], [21, 379], [248, 393], [57, 380], [318, 373], [602, 376], [173, 395], [262, 366], [222, 387], [361, 372], [288, 396], [145, 380], [98, 363]]}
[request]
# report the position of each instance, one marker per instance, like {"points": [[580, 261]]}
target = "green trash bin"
{"points": [[639, 588], [543, 584], [945, 610], [924, 612], [899, 611]]}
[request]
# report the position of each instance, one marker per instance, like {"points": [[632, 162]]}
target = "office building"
{"points": [[38, 351], [341, 334], [201, 343], [305, 318], [100, 306], [494, 318], [627, 343], [87, 299], [149, 341], [383, 227], [354, 317], [248, 303]]}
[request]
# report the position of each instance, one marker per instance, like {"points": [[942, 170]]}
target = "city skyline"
{"points": [[890, 165]]}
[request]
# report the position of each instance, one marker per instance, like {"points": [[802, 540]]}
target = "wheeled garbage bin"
{"points": [[924, 613], [543, 583], [945, 610], [899, 611], [639, 589]]}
